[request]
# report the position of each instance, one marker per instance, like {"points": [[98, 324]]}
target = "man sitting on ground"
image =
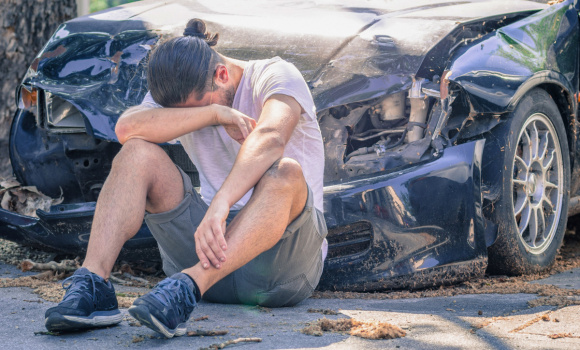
{"points": [[250, 128]]}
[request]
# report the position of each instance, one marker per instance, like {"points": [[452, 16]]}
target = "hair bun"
{"points": [[196, 28], [190, 31]]}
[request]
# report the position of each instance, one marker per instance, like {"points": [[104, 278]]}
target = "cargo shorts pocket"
{"points": [[288, 293]]}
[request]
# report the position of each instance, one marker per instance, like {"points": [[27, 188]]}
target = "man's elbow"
{"points": [[125, 123], [122, 130], [272, 141]]}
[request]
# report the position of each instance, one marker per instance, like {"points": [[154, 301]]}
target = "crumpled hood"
{"points": [[348, 51]]}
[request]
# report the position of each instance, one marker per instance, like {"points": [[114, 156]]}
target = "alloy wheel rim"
{"points": [[537, 183]]}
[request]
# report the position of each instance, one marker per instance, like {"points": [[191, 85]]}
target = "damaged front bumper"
{"points": [[408, 229]]}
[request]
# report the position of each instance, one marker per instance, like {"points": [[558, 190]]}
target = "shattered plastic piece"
{"points": [[24, 200]]}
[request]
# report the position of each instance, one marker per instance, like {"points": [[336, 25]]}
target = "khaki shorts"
{"points": [[281, 276]]}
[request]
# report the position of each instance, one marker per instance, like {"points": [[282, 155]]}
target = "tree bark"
{"points": [[25, 26]]}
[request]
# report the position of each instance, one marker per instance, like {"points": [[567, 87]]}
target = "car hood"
{"points": [[348, 51]]}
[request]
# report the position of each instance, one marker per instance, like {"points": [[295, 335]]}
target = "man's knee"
{"points": [[137, 152], [285, 171]]}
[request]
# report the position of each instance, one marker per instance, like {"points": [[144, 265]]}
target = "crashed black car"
{"points": [[450, 128]]}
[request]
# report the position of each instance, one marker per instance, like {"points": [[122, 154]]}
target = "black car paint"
{"points": [[411, 230], [424, 219]]}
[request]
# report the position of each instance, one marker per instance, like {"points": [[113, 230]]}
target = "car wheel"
{"points": [[526, 165]]}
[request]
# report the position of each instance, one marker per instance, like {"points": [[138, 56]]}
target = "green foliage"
{"points": [[98, 5]]}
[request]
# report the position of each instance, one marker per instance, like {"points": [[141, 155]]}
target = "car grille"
{"points": [[349, 240], [181, 159]]}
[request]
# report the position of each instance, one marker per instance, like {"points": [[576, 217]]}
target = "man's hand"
{"points": [[210, 242], [265, 145], [237, 124]]}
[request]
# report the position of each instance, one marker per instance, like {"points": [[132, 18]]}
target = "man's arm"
{"points": [[159, 125], [262, 148]]}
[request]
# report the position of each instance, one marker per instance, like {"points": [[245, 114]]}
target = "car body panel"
{"points": [[411, 229], [534, 50], [496, 71]]}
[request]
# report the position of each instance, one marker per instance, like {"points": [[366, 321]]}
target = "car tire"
{"points": [[526, 168]]}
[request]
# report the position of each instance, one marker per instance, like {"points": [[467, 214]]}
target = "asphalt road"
{"points": [[505, 322]]}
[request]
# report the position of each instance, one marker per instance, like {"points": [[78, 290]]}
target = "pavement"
{"points": [[483, 321]]}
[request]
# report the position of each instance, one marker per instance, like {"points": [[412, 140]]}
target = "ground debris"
{"points": [[556, 300], [487, 322], [54, 292], [366, 329], [487, 285], [126, 301], [46, 276], [202, 318], [24, 200], [129, 281], [54, 334], [136, 273], [262, 308], [202, 333], [137, 339], [323, 311], [63, 266], [232, 342], [13, 253], [544, 317], [562, 335]]}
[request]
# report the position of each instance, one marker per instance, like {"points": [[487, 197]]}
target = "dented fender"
{"points": [[497, 70]]}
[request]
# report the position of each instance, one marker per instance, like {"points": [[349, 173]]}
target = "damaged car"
{"points": [[450, 128]]}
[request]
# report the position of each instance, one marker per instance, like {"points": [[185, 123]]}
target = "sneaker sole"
{"points": [[63, 323], [142, 314]]}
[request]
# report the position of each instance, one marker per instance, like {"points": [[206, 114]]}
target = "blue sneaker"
{"points": [[167, 307], [89, 302]]}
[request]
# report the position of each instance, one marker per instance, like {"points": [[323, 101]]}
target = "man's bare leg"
{"points": [[142, 178], [278, 199]]}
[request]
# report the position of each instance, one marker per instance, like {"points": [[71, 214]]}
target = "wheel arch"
{"points": [[560, 90]]}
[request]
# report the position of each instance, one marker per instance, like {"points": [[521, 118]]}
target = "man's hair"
{"points": [[183, 65]]}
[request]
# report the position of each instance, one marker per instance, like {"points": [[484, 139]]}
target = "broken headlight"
{"points": [[61, 115]]}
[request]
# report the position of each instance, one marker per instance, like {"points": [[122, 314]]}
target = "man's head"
{"points": [[186, 72]]}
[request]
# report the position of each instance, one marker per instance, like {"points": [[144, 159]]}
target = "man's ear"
{"points": [[222, 76]]}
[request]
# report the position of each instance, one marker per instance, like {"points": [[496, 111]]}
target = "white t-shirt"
{"points": [[214, 152]]}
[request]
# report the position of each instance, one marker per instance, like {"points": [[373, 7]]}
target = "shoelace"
{"points": [[78, 284], [169, 291]]}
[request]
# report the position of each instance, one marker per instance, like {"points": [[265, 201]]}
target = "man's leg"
{"points": [[142, 178], [278, 199]]}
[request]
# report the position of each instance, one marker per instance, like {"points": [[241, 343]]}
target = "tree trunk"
{"points": [[25, 26]]}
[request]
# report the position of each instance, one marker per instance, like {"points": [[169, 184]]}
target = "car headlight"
{"points": [[62, 115], [51, 112]]}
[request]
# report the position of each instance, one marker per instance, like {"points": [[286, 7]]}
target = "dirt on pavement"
{"points": [[363, 329], [47, 284]]}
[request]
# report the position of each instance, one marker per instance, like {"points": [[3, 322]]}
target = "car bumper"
{"points": [[408, 229]]}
